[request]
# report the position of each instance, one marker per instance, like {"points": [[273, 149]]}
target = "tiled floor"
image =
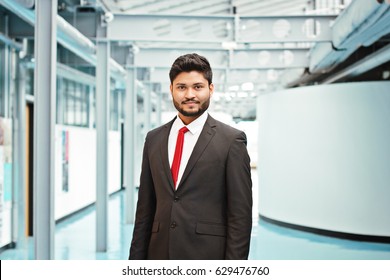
{"points": [[75, 239]]}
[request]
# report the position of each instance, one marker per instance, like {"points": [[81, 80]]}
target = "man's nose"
{"points": [[190, 93]]}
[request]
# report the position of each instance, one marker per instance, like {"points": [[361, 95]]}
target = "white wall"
{"points": [[82, 169], [324, 157], [6, 168]]}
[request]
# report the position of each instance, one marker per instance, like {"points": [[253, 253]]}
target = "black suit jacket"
{"points": [[210, 214]]}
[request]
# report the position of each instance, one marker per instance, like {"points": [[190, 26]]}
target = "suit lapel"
{"points": [[164, 152], [205, 136]]}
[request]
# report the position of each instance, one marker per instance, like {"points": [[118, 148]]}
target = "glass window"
{"points": [[74, 103]]}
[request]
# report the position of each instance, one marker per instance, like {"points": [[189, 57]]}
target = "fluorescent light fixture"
{"points": [[247, 86], [234, 88], [229, 45], [242, 94]]}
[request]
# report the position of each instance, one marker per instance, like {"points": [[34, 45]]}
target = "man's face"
{"points": [[191, 94]]}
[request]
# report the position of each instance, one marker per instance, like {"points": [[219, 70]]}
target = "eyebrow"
{"points": [[196, 84]]}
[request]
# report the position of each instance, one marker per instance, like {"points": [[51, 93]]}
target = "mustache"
{"points": [[190, 100]]}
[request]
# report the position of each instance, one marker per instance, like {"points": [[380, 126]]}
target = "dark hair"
{"points": [[191, 62]]}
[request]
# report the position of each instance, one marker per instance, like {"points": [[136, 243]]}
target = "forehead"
{"points": [[190, 77]]}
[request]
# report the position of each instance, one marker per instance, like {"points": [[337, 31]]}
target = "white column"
{"points": [[129, 143], [5, 55], [158, 109], [91, 108], [44, 121], [147, 107], [102, 128], [19, 197]]}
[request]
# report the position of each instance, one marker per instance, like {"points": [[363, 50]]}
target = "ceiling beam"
{"points": [[283, 8], [260, 7], [205, 7], [207, 29], [153, 6], [245, 59]]}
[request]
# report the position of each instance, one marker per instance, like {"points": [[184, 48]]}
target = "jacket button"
{"points": [[176, 199], [173, 225]]}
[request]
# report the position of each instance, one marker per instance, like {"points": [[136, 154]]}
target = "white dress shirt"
{"points": [[190, 139]]}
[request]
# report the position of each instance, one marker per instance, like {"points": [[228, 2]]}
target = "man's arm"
{"points": [[146, 208], [239, 200]]}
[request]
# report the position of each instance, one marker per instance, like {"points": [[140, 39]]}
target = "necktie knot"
{"points": [[184, 129]]}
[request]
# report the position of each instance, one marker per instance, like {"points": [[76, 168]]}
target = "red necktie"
{"points": [[178, 152]]}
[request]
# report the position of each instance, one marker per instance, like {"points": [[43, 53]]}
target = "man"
{"points": [[195, 195]]}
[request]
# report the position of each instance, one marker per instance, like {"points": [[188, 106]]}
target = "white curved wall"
{"points": [[82, 168], [324, 157]]}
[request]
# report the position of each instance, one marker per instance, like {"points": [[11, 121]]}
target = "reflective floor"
{"points": [[75, 239]]}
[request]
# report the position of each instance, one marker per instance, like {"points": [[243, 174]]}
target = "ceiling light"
{"points": [[229, 45], [247, 86]]}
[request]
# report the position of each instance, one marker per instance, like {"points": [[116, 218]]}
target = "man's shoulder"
{"points": [[221, 126], [160, 129]]}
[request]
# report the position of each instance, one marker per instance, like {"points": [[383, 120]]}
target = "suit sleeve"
{"points": [[146, 208], [239, 200]]}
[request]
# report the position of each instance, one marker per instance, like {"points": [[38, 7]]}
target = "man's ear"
{"points": [[171, 88], [211, 87]]}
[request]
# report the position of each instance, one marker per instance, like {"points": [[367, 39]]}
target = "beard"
{"points": [[203, 107]]}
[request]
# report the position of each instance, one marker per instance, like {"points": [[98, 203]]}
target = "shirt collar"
{"points": [[194, 127]]}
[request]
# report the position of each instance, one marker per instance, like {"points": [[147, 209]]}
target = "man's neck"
{"points": [[187, 120]]}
